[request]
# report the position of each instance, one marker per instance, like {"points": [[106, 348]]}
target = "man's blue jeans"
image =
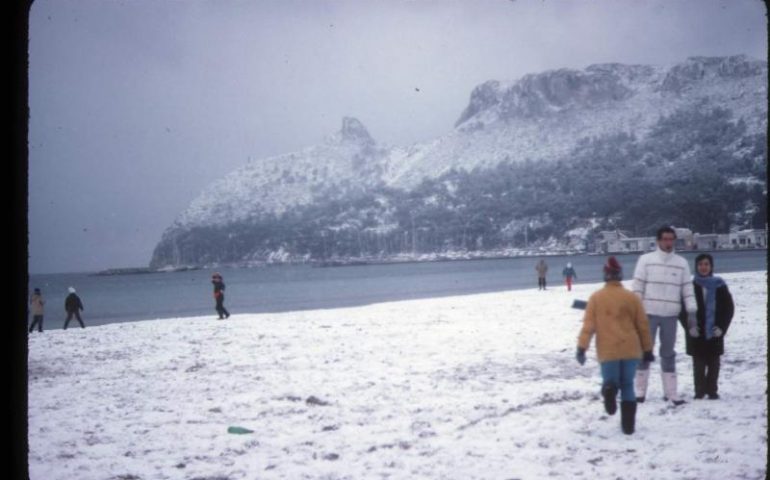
{"points": [[621, 373]]}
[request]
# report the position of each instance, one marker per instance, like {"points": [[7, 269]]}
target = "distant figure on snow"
{"points": [[36, 302], [618, 319], [219, 295], [73, 306], [542, 270], [569, 273], [705, 337]]}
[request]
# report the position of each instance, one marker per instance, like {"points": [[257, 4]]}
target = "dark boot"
{"points": [[699, 376], [627, 416], [610, 393], [712, 377]]}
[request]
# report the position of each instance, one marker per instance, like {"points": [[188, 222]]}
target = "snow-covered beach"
{"points": [[480, 386]]}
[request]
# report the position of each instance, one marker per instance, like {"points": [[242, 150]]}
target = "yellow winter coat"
{"points": [[617, 317]]}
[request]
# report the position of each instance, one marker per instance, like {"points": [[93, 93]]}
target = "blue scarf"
{"points": [[710, 286]]}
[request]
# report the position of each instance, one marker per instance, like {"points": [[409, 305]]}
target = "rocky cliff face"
{"points": [[699, 70], [539, 117]]}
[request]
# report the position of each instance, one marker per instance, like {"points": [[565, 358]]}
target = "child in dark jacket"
{"points": [[705, 339], [219, 295], [73, 306]]}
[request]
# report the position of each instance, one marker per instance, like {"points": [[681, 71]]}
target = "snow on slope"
{"points": [[537, 117], [544, 116], [470, 387], [275, 183]]}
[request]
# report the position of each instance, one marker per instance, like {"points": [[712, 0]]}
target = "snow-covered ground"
{"points": [[469, 387]]}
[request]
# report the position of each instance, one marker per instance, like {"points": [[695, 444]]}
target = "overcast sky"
{"points": [[137, 105]]}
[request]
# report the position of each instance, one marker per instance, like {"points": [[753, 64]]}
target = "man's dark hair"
{"points": [[663, 230]]}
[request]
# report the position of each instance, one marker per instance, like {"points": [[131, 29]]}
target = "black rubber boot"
{"points": [[610, 393], [627, 416]]}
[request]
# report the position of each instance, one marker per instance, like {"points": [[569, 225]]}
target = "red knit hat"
{"points": [[612, 267]]}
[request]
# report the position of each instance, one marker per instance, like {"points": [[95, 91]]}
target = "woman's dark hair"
{"points": [[663, 230], [704, 256]]}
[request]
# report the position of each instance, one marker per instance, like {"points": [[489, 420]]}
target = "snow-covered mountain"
{"points": [[544, 115], [539, 117], [275, 183]]}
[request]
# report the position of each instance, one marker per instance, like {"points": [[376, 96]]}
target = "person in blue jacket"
{"points": [[569, 273]]}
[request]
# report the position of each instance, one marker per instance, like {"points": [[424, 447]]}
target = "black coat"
{"points": [[73, 303], [724, 314]]}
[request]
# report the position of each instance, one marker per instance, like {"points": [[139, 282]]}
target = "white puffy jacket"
{"points": [[663, 281]]}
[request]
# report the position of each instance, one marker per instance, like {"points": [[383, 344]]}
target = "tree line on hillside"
{"points": [[675, 175]]}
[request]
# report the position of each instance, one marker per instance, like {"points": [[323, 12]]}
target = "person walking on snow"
{"points": [[73, 306], [36, 301], [219, 295], [662, 281], [616, 316], [542, 270], [569, 273], [705, 338]]}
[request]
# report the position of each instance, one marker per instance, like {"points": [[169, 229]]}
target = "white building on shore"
{"points": [[617, 241]]}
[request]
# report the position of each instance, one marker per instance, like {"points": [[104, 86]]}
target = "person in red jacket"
{"points": [[219, 295]]}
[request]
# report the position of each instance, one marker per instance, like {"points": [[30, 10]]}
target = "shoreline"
{"points": [[558, 288], [359, 261]]}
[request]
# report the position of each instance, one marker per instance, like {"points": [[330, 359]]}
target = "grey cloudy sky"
{"points": [[136, 106]]}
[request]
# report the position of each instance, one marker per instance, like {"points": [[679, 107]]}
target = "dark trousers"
{"points": [[705, 371], [69, 317], [221, 310], [37, 320], [541, 283]]}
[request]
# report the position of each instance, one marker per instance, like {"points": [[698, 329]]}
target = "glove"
{"points": [[648, 357], [694, 332], [580, 356], [717, 332]]}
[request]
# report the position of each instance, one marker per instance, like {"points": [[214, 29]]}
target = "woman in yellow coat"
{"points": [[616, 316]]}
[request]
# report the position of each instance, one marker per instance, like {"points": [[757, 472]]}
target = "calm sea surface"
{"points": [[122, 298]]}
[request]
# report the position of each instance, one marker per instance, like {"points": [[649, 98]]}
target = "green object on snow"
{"points": [[239, 430]]}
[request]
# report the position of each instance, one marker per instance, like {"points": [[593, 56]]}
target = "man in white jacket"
{"points": [[663, 282]]}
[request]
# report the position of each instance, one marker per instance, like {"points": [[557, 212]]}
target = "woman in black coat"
{"points": [[705, 341]]}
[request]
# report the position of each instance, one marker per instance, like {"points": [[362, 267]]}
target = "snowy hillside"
{"points": [[540, 116], [272, 184], [545, 118], [544, 115], [473, 387]]}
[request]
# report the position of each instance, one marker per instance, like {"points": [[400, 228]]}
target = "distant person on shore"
{"points": [[36, 303], [662, 280], [73, 306], [617, 318], [705, 338], [569, 273], [219, 295], [542, 270]]}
